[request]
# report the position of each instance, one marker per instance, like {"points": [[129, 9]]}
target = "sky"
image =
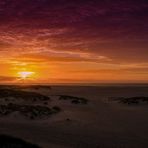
{"points": [[74, 41]]}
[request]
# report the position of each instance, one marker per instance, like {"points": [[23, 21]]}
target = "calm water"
{"points": [[102, 90]]}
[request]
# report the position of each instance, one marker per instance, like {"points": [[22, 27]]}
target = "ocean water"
{"points": [[103, 90]]}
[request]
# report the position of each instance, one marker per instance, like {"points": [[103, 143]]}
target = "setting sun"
{"points": [[25, 74]]}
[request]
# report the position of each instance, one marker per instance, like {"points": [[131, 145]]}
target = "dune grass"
{"points": [[74, 100], [131, 100], [29, 111]]}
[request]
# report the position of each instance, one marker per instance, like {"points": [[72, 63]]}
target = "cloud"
{"points": [[7, 79], [74, 31], [62, 56]]}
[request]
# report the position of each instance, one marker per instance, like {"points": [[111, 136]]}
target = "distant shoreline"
{"points": [[79, 84]]}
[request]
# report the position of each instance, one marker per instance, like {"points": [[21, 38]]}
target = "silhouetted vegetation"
{"points": [[56, 108], [29, 111], [132, 100], [74, 100], [7, 94], [11, 142]]}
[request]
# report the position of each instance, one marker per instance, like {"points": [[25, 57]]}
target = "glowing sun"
{"points": [[25, 74]]}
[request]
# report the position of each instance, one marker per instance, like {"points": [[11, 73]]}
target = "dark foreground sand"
{"points": [[98, 124]]}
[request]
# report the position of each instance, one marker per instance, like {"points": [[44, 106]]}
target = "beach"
{"points": [[98, 124]]}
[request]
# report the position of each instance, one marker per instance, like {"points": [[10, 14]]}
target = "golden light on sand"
{"points": [[26, 74]]}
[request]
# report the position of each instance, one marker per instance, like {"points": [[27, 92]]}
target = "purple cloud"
{"points": [[114, 29]]}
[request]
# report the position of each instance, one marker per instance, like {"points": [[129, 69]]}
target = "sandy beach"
{"points": [[98, 124]]}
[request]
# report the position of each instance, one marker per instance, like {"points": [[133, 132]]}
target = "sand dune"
{"points": [[97, 124]]}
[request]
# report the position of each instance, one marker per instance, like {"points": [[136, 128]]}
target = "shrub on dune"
{"points": [[131, 100], [56, 109], [74, 100]]}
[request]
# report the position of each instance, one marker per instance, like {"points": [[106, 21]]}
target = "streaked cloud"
{"points": [[113, 34], [8, 79]]}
